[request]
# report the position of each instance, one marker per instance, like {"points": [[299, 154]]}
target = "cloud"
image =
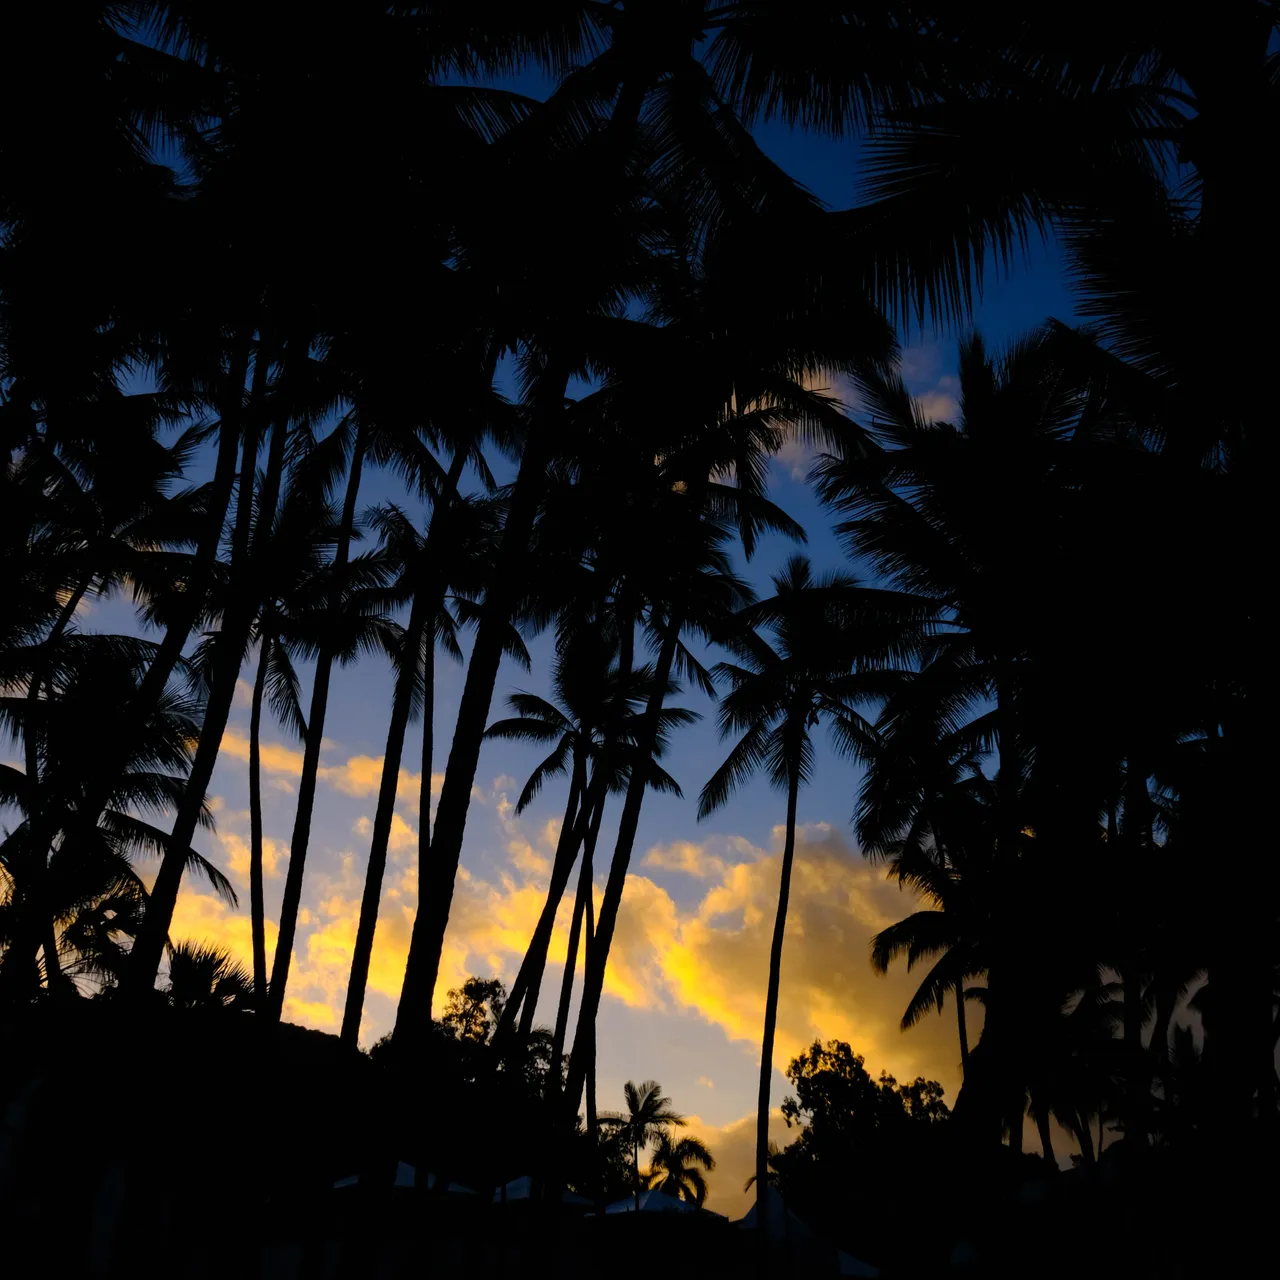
{"points": [[236, 849], [733, 1146], [275, 756], [717, 962], [200, 917], [401, 837], [796, 457], [921, 363], [941, 403], [359, 775], [705, 958]]}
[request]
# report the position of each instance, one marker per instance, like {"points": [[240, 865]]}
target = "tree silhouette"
{"points": [[673, 1168], [648, 1116]]}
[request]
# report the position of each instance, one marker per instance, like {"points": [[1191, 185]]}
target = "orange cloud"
{"points": [[705, 958], [359, 775], [734, 1147], [275, 756], [236, 848]]}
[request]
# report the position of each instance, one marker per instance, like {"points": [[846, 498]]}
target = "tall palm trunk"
{"points": [[317, 712], [962, 1028], [1084, 1136], [573, 831], [401, 707], [771, 1001], [524, 991], [580, 907], [598, 955], [257, 905], [428, 743], [144, 959], [593, 1114], [269, 500], [427, 601], [413, 1016], [1046, 1136]]}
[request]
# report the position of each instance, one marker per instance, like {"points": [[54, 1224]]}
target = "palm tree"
{"points": [[591, 729], [84, 869], [453, 557], [203, 978], [953, 874], [648, 1116], [776, 696], [673, 1168]]}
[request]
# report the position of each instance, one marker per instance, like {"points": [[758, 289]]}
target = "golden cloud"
{"points": [[236, 848], [705, 957], [734, 1147], [359, 775], [275, 756]]}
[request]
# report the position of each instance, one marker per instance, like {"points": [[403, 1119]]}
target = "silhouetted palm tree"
{"points": [[776, 696], [203, 978], [673, 1168], [648, 1116], [438, 574], [592, 730]]}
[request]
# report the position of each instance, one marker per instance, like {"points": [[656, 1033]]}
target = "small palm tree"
{"points": [[673, 1168], [648, 1116], [204, 977]]}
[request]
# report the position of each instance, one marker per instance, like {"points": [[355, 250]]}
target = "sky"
{"points": [[684, 994]]}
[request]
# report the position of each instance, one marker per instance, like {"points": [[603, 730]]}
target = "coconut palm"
{"points": [[648, 1116], [442, 569], [52, 882], [591, 728], [777, 694], [674, 1168]]}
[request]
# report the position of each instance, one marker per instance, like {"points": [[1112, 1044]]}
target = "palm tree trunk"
{"points": [[426, 603], [580, 907], [524, 991], [572, 834], [1017, 1115], [771, 1004], [257, 907], [962, 1027], [1046, 1136], [144, 959], [636, 1144], [413, 1016], [301, 838], [593, 1114], [1085, 1138], [401, 706], [598, 956], [428, 743]]}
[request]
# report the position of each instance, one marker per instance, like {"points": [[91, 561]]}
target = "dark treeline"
{"points": [[251, 254]]}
